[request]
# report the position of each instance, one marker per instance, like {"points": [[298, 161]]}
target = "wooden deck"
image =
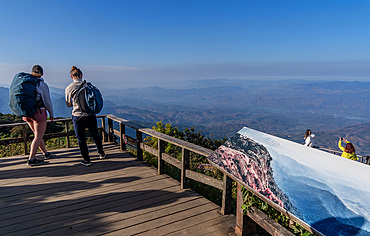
{"points": [[116, 196]]}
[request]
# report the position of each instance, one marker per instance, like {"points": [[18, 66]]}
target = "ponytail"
{"points": [[75, 72]]}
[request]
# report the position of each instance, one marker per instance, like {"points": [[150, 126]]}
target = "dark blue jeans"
{"points": [[80, 123]]}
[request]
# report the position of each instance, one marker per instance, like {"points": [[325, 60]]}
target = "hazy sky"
{"points": [[150, 42]]}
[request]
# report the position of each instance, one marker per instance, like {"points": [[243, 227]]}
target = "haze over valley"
{"points": [[220, 108]]}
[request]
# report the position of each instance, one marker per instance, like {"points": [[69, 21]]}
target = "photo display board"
{"points": [[328, 192]]}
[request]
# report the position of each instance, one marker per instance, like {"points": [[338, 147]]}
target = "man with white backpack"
{"points": [[86, 101]]}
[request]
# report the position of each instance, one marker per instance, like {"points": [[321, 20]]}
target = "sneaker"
{"points": [[47, 155], [102, 156], [34, 162], [85, 163]]}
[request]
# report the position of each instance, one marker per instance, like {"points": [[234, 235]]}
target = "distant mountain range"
{"points": [[359, 135], [222, 107]]}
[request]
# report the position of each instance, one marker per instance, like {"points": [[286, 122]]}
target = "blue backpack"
{"points": [[91, 97], [23, 95]]}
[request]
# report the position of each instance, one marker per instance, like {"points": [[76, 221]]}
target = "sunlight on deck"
{"points": [[116, 196]]}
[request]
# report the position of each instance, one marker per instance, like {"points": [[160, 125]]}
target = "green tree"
{"points": [[196, 160]]}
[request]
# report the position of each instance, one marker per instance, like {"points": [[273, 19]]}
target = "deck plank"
{"points": [[115, 196], [217, 226], [180, 213]]}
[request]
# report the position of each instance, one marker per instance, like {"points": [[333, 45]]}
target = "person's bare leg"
{"points": [[39, 130], [42, 144]]}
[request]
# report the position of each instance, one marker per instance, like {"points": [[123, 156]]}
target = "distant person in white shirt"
{"points": [[308, 137]]}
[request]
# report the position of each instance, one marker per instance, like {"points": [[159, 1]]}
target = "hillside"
{"points": [[222, 107], [359, 135], [220, 124], [282, 108], [331, 98], [4, 100]]}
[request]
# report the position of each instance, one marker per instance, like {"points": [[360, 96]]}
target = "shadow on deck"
{"points": [[116, 196]]}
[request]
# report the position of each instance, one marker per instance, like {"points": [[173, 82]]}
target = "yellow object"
{"points": [[347, 155]]}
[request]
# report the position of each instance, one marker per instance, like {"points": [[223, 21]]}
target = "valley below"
{"points": [[220, 108]]}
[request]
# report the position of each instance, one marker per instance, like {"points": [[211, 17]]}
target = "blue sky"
{"points": [[157, 42]]}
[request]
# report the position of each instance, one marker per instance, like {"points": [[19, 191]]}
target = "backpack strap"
{"points": [[80, 87], [39, 101]]}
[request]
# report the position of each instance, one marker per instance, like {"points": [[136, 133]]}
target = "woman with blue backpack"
{"points": [[86, 101], [30, 98]]}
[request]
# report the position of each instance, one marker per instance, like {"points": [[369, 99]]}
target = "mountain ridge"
{"points": [[281, 108]]}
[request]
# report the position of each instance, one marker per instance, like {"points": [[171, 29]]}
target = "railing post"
{"points": [[185, 164], [25, 139], [67, 135], [122, 130], [160, 160], [104, 133], [110, 130], [139, 140], [226, 195], [244, 224]]}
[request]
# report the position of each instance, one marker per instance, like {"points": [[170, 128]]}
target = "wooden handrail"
{"points": [[183, 165], [178, 142], [25, 138], [123, 121], [225, 185], [363, 159], [49, 121]]}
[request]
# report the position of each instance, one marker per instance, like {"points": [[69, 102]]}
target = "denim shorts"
{"points": [[39, 116]]}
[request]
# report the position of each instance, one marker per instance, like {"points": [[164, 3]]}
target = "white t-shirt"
{"points": [[309, 140]]}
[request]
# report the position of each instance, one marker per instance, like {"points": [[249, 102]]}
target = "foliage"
{"points": [[51, 144], [17, 132], [209, 192], [196, 160], [250, 200], [10, 132]]}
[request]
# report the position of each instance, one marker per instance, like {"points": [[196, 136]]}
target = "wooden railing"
{"points": [[183, 165], [245, 224], [25, 139], [362, 159]]}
